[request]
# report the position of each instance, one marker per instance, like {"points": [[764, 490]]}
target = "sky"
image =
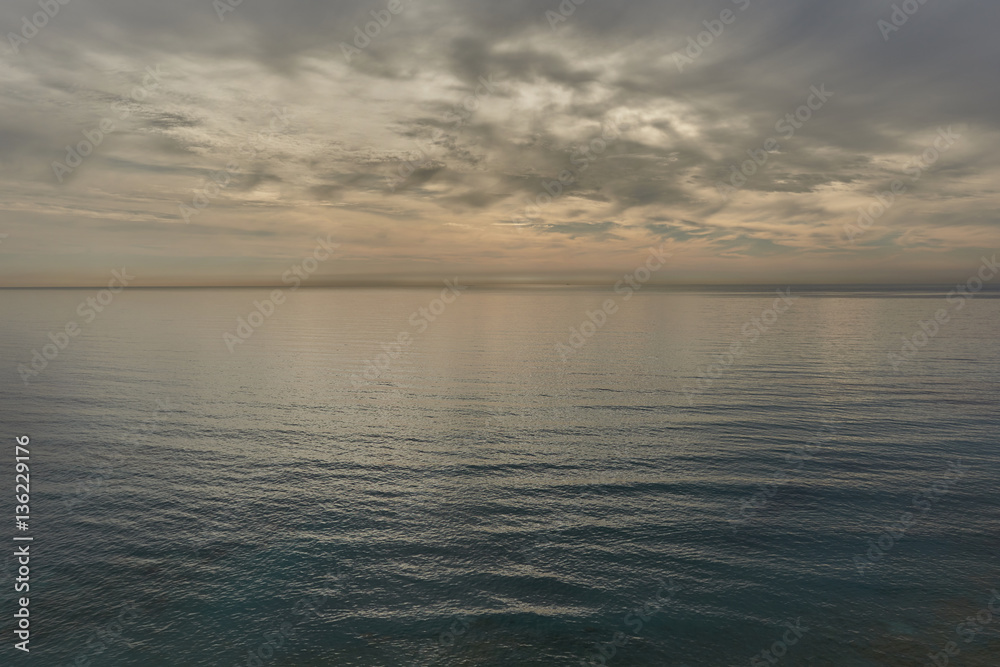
{"points": [[201, 143]]}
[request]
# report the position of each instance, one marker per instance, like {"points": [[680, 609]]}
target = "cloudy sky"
{"points": [[201, 143]]}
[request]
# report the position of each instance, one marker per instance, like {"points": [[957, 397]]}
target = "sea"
{"points": [[512, 475]]}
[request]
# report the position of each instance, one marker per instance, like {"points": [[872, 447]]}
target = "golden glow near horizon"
{"points": [[475, 140]]}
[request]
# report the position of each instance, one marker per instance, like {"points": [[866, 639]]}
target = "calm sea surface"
{"points": [[686, 488]]}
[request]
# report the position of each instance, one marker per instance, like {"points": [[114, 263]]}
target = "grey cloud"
{"points": [[356, 124]]}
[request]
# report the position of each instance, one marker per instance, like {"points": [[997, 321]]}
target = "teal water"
{"points": [[484, 502]]}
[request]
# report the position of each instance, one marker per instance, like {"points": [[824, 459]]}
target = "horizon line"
{"points": [[488, 285]]}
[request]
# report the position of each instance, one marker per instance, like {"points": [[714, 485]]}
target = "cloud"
{"points": [[406, 138], [596, 230]]}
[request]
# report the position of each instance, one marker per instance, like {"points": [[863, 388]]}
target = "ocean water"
{"points": [[682, 487]]}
